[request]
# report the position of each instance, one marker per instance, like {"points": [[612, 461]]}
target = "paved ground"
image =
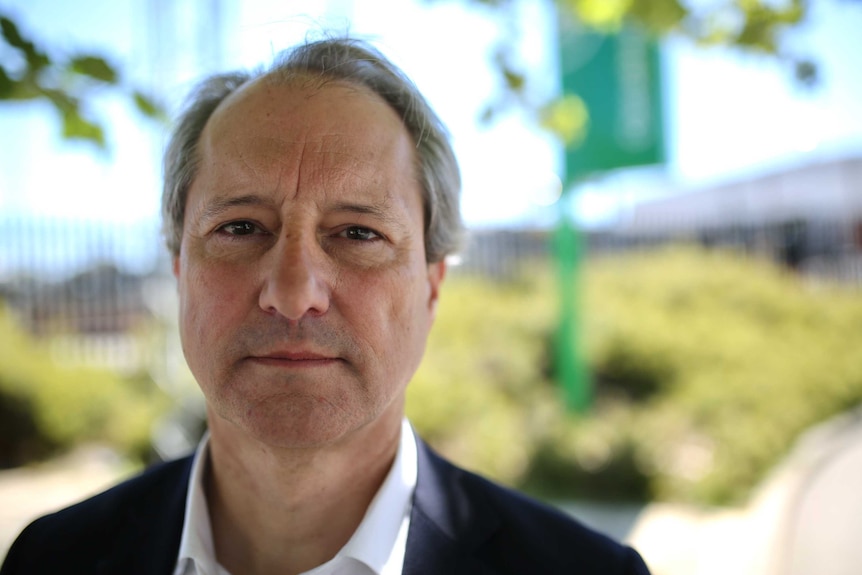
{"points": [[26, 493], [804, 520]]}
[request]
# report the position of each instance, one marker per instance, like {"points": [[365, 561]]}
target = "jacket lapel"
{"points": [[148, 537], [448, 523]]}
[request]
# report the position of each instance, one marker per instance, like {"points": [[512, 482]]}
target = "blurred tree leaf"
{"points": [[10, 33], [6, 84], [567, 117], [747, 25], [69, 83], [36, 60], [661, 16], [806, 72], [148, 107], [601, 14], [76, 126], [514, 80], [94, 67]]}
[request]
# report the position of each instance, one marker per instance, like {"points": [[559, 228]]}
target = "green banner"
{"points": [[618, 76]]}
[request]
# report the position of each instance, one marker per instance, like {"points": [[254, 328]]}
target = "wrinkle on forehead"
{"points": [[279, 140]]}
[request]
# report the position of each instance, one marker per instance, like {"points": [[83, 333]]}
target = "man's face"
{"points": [[305, 297]]}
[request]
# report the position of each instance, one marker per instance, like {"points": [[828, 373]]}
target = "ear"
{"points": [[176, 266], [436, 275]]}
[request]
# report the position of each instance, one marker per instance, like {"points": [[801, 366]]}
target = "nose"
{"points": [[295, 282]]}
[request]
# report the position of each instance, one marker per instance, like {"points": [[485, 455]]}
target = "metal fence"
{"points": [[93, 287], [84, 284]]}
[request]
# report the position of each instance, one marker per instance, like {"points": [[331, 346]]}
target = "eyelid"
{"points": [[365, 229], [258, 228]]}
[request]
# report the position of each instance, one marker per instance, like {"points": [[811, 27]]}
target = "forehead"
{"points": [[282, 137], [323, 144], [328, 115]]}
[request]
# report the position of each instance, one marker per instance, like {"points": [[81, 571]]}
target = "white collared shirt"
{"points": [[376, 548]]}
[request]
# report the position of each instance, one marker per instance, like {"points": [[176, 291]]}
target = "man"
{"points": [[309, 211]]}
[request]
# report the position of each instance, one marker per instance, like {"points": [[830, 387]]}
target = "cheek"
{"points": [[209, 301], [192, 310], [401, 317]]}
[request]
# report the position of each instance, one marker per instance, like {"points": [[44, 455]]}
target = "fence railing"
{"points": [[91, 285]]}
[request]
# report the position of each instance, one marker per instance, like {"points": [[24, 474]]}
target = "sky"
{"points": [[726, 115]]}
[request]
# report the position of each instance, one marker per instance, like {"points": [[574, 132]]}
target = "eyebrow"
{"points": [[219, 205], [369, 209]]}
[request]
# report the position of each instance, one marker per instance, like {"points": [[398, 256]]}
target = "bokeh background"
{"points": [[669, 349]]}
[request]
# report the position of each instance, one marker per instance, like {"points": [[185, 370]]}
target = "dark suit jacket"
{"points": [[460, 524]]}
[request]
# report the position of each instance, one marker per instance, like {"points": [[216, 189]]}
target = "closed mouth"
{"points": [[294, 359]]}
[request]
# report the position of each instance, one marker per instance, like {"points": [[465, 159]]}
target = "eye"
{"points": [[239, 228], [360, 234]]}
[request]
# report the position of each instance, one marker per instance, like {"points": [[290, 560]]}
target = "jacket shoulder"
{"points": [[80, 537], [522, 534], [533, 533]]}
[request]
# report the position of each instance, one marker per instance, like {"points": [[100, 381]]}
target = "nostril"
{"points": [[295, 287]]}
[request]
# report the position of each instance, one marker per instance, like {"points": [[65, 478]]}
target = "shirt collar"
{"points": [[379, 541], [381, 537], [196, 542]]}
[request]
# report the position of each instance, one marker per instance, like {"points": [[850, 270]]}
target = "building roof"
{"points": [[825, 190]]}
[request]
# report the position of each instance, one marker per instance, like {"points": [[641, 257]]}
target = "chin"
{"points": [[300, 423]]}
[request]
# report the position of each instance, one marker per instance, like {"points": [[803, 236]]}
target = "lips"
{"points": [[294, 358]]}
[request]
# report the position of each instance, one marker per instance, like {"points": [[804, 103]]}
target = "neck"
{"points": [[284, 510]]}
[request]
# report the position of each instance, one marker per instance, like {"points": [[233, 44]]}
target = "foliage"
{"points": [[45, 408], [486, 360], [69, 83], [753, 26], [742, 357], [706, 365]]}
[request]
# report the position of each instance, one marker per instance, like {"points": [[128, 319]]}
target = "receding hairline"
{"points": [[313, 83], [347, 62], [308, 81], [225, 116]]}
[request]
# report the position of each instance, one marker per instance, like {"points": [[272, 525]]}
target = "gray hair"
{"points": [[341, 59]]}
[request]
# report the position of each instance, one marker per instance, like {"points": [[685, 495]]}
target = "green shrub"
{"points": [[480, 394], [706, 365], [751, 356], [46, 407]]}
